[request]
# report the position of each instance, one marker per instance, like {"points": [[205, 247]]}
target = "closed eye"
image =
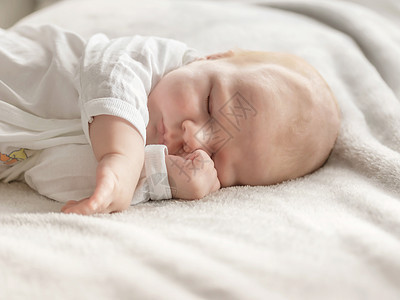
{"points": [[208, 104]]}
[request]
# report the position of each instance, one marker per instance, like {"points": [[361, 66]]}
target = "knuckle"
{"points": [[201, 153], [93, 205]]}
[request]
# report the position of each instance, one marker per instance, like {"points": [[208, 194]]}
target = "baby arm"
{"points": [[193, 176], [119, 149]]}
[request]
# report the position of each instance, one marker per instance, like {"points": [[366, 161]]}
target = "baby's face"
{"points": [[234, 112]]}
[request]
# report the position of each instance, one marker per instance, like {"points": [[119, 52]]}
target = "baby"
{"points": [[234, 118]]}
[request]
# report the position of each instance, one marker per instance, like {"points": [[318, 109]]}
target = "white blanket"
{"points": [[334, 234]]}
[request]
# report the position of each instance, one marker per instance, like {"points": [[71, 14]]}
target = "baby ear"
{"points": [[219, 55]]}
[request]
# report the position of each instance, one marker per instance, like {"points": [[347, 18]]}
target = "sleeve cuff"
{"points": [[156, 172], [110, 106]]}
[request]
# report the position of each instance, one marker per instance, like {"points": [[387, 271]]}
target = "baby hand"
{"points": [[113, 190], [193, 176]]}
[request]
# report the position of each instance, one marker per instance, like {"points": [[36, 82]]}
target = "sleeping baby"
{"points": [[102, 124]]}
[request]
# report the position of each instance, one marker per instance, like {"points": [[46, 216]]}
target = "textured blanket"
{"points": [[334, 234]]}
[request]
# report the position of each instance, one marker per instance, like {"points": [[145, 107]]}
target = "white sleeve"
{"points": [[153, 182], [117, 75]]}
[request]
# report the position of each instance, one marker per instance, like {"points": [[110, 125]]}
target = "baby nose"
{"points": [[191, 141]]}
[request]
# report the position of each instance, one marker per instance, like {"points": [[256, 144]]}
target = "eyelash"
{"points": [[208, 104]]}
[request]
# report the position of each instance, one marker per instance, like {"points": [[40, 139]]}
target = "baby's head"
{"points": [[263, 117]]}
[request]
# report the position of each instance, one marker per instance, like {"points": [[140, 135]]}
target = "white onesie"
{"points": [[52, 84]]}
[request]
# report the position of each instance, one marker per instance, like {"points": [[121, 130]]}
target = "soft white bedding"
{"points": [[334, 234]]}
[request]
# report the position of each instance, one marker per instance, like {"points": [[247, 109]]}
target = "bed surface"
{"points": [[334, 234]]}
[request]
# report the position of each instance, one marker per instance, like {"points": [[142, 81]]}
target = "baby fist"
{"points": [[193, 176]]}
